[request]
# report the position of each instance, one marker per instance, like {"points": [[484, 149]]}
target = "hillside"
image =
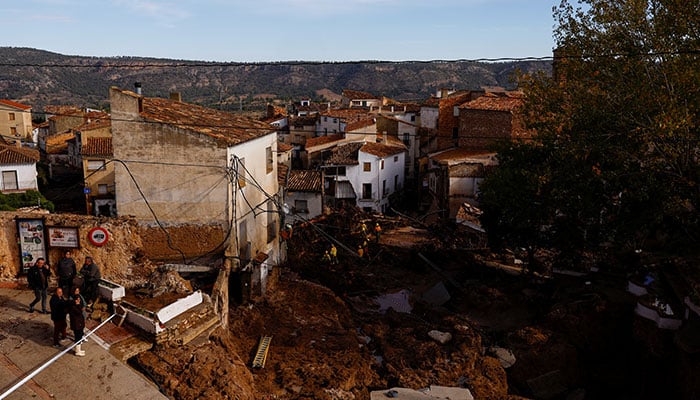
{"points": [[38, 77]]}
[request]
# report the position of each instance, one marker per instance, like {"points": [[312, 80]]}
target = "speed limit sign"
{"points": [[98, 236]]}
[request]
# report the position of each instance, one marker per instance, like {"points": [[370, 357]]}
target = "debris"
{"points": [[436, 295], [440, 337], [504, 356], [398, 301]]}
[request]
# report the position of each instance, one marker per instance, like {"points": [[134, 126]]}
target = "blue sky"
{"points": [[284, 30]]}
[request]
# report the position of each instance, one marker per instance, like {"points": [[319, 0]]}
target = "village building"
{"points": [[15, 121], [356, 98], [183, 164], [364, 174], [304, 195], [490, 118], [18, 168]]}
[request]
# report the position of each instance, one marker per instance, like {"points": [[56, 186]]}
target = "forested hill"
{"points": [[38, 77]]}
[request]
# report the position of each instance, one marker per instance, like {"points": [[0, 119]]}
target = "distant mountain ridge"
{"points": [[38, 77]]}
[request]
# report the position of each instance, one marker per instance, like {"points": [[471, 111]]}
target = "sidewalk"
{"points": [[26, 344]]}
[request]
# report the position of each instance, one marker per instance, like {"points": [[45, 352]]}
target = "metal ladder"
{"points": [[261, 354]]}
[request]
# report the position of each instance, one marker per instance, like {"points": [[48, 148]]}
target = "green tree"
{"points": [[614, 159]]}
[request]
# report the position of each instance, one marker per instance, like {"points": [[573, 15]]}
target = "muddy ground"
{"points": [[570, 336]]}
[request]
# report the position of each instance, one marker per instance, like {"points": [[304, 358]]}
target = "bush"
{"points": [[30, 198]]}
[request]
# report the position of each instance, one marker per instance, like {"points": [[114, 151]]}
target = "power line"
{"points": [[213, 64]]}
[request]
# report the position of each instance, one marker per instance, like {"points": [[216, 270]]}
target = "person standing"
{"points": [[77, 325], [377, 231], [91, 276], [58, 316], [66, 272], [334, 254], [38, 280]]}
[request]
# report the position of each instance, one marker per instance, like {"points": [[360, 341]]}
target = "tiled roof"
{"points": [[15, 104], [10, 154], [348, 114], [432, 101], [304, 181], [356, 94], [360, 124], [95, 120], [282, 147], [223, 126], [345, 154], [382, 150], [399, 120], [98, 146], [282, 172], [317, 141], [67, 112], [305, 120], [58, 143], [509, 101], [57, 110]]}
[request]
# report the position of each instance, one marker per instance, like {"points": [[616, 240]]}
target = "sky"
{"points": [[283, 30]]}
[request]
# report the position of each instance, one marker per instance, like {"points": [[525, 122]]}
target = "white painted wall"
{"points": [[379, 201], [326, 126], [314, 205], [257, 218], [26, 177], [429, 117]]}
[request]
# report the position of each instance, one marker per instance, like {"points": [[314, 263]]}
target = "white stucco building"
{"points": [[18, 169]]}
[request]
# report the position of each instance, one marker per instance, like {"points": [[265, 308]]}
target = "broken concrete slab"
{"points": [[504, 356], [436, 295], [432, 393], [440, 337], [398, 301]]}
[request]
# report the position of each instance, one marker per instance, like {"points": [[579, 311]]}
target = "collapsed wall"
{"points": [[124, 257]]}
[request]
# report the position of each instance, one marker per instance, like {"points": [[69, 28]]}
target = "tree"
{"points": [[615, 156]]}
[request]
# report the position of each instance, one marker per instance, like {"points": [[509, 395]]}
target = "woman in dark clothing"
{"points": [[77, 324]]}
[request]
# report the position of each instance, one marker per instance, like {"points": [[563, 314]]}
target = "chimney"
{"points": [[176, 96], [137, 87]]}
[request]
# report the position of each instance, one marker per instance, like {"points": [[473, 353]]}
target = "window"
{"points": [[269, 160], [12, 116], [240, 170], [396, 183], [396, 158], [367, 167], [94, 165], [413, 118], [335, 120], [366, 191], [381, 164], [455, 132], [13, 131], [9, 180], [385, 191], [407, 139], [102, 188], [325, 119], [332, 171], [301, 206]]}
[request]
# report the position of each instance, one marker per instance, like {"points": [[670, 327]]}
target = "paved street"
{"points": [[26, 344]]}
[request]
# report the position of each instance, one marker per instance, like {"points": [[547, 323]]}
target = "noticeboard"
{"points": [[63, 236], [32, 241]]}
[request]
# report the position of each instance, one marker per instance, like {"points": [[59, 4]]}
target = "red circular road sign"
{"points": [[98, 236]]}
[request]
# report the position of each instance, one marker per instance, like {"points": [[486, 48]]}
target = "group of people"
{"points": [[67, 299], [331, 255]]}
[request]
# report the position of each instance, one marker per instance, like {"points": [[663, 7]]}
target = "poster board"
{"points": [[63, 236], [32, 241]]}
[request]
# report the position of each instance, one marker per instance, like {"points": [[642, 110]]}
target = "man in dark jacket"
{"points": [[59, 310], [66, 272], [91, 278], [38, 280]]}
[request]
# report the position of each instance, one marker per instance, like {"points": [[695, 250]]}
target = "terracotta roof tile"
{"points": [[15, 104], [304, 181], [10, 154], [509, 101], [360, 124], [226, 127], [317, 141], [58, 143], [95, 120], [356, 94], [98, 146], [56, 110], [382, 150], [282, 147], [348, 114], [345, 154]]}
